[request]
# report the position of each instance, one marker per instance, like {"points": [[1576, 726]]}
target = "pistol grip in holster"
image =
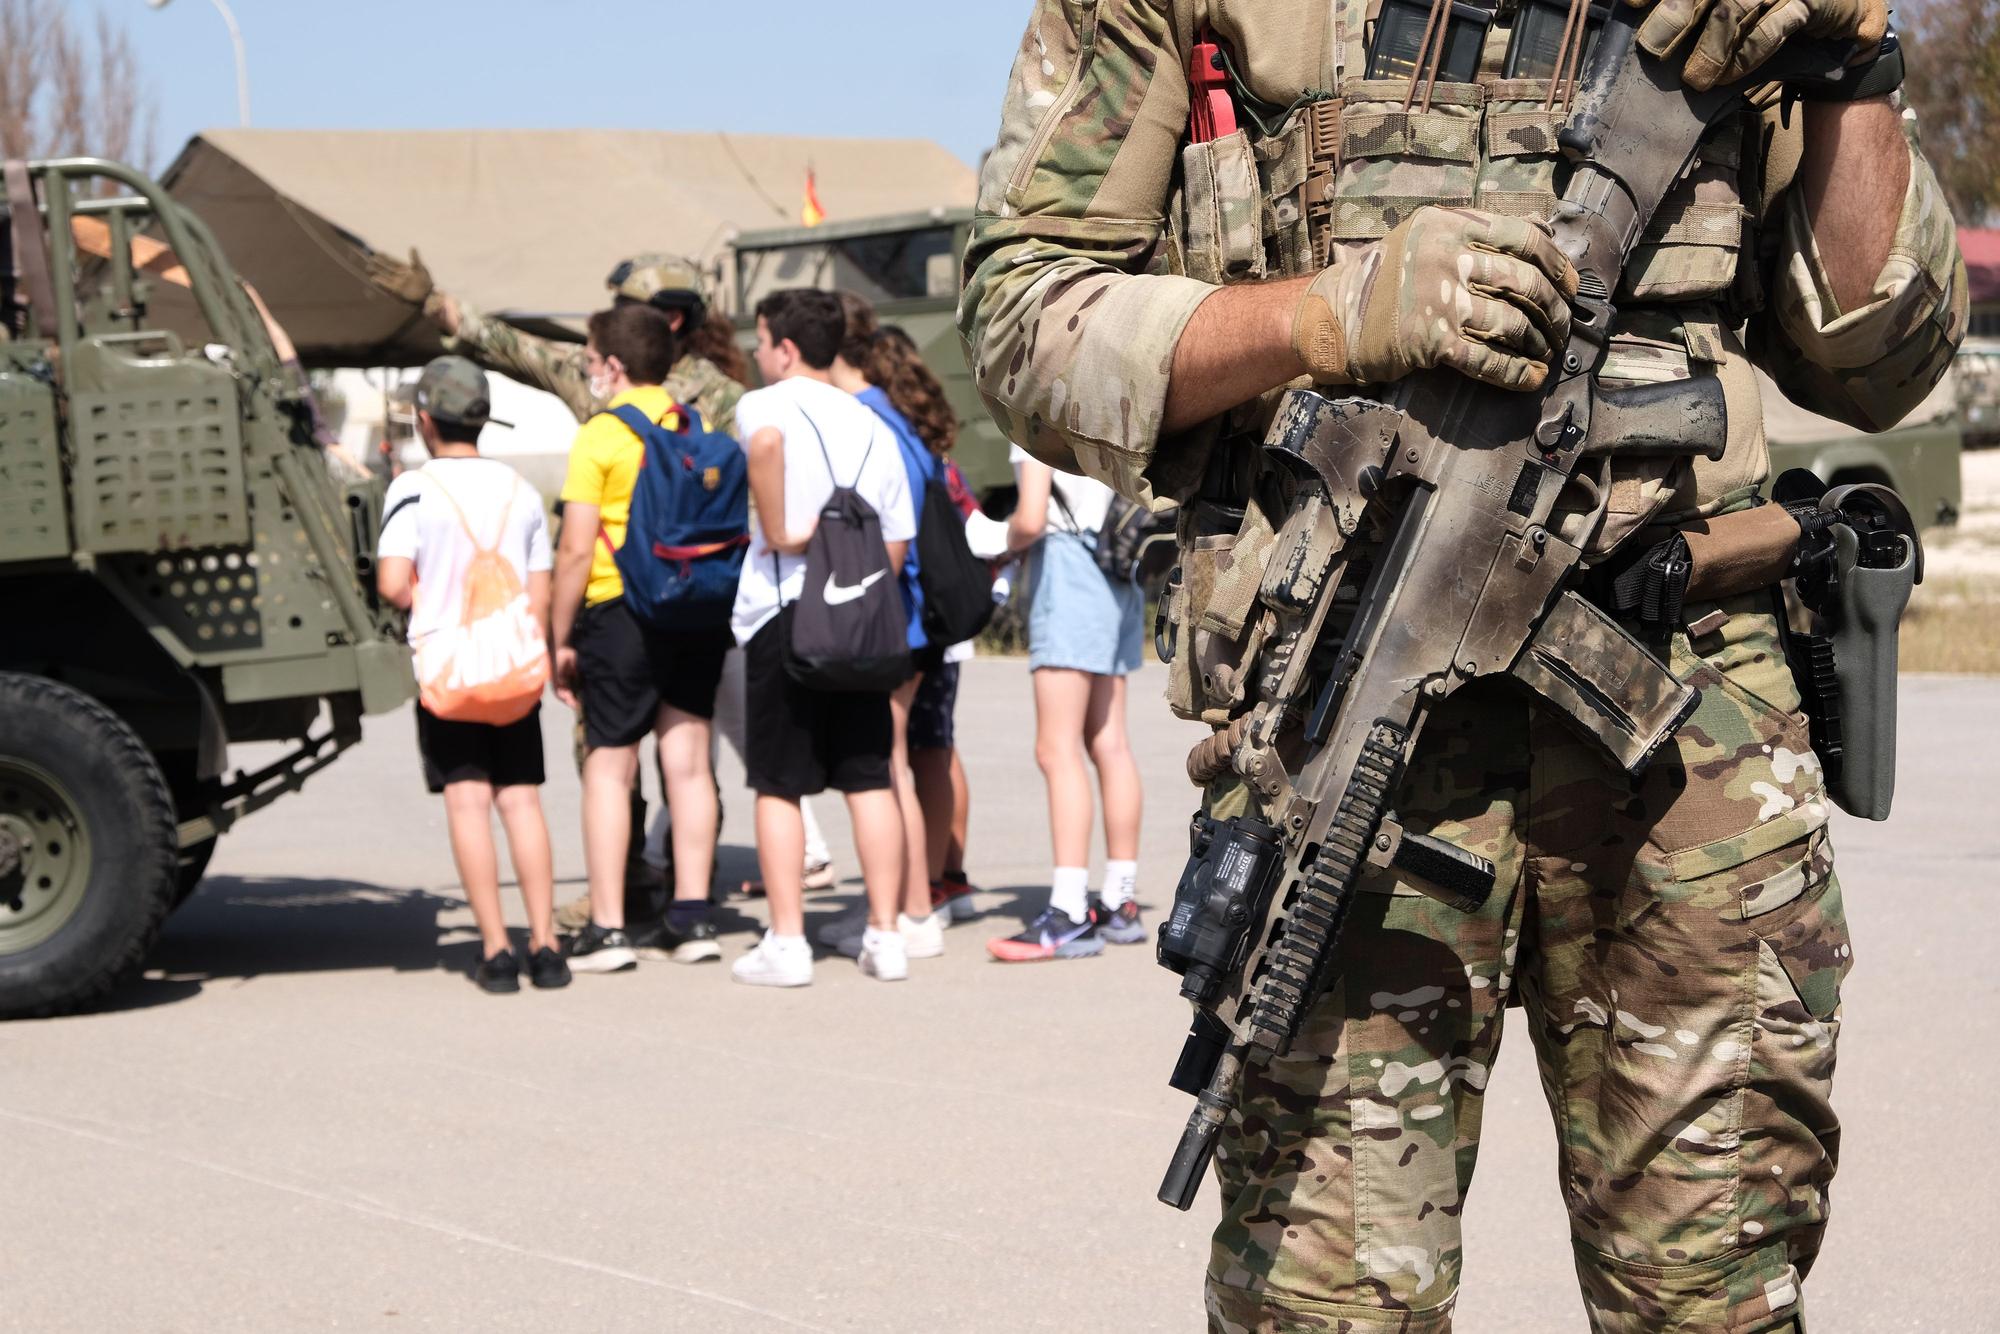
{"points": [[1868, 615]]}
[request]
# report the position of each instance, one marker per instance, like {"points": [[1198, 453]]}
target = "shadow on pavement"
{"points": [[245, 926]]}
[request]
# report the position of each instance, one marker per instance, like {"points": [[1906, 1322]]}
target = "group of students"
{"points": [[846, 443]]}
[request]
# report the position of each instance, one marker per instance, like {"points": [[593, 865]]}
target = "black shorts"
{"points": [[931, 726], [627, 671], [798, 742], [509, 756]]}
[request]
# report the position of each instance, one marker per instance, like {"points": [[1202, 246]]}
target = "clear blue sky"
{"points": [[931, 69]]}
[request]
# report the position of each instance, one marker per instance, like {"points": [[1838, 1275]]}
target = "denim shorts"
{"points": [[1077, 617]]}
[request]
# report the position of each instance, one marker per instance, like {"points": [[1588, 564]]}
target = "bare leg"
{"points": [[691, 802], [916, 861], [1110, 749], [931, 771], [468, 816], [1062, 700], [878, 842], [781, 860], [534, 865], [815, 844], [961, 815], [608, 772], [730, 706]]}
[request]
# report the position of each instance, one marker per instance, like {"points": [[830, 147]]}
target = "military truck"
{"points": [[1919, 458], [1977, 367], [179, 571], [908, 265]]}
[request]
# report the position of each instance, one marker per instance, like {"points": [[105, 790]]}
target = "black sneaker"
{"points": [[1053, 935], [601, 949], [693, 942], [1120, 926], [499, 974], [547, 969]]}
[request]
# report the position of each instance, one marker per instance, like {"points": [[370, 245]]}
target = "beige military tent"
{"points": [[521, 222]]}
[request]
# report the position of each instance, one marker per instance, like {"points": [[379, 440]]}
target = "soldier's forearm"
{"points": [[1237, 345], [1854, 174]]}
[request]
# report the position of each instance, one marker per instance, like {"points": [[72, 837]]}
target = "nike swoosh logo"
{"points": [[837, 593]]}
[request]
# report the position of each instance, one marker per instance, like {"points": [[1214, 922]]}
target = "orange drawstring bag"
{"points": [[493, 664]]}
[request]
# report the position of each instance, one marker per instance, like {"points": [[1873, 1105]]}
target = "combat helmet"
{"points": [[669, 282]]}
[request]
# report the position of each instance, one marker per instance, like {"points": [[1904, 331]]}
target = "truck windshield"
{"points": [[882, 267]]}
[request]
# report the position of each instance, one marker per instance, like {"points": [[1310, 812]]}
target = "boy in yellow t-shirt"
{"points": [[631, 679]]}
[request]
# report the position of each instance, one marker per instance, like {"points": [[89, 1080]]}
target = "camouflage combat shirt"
{"points": [[557, 367], [1100, 229]]}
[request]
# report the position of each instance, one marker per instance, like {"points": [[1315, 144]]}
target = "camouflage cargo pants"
{"points": [[1676, 948]]}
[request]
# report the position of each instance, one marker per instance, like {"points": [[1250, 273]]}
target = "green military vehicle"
{"points": [[1977, 367], [179, 571], [908, 266], [1919, 458]]}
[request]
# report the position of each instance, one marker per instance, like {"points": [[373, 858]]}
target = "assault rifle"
{"points": [[1428, 543]]}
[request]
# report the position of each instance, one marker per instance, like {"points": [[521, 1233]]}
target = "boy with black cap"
{"points": [[444, 527]]}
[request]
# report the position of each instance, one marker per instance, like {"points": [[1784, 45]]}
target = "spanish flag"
{"points": [[810, 213]]}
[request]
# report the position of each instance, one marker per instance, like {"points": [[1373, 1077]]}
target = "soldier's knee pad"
{"points": [[1246, 1311], [1743, 1292]]}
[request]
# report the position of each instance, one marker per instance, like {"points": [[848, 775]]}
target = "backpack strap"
{"points": [[637, 422], [824, 456], [465, 523]]}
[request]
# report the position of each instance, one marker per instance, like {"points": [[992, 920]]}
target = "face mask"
{"points": [[600, 385]]}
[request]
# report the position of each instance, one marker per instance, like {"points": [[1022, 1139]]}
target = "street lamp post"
{"points": [[242, 67]]}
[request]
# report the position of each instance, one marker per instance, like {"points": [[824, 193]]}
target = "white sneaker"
{"points": [[883, 956], [923, 937], [817, 875], [775, 963]]}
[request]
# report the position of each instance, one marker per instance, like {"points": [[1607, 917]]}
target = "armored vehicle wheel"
{"points": [[87, 857], [193, 865]]}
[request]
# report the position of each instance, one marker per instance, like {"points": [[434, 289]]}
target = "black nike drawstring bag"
{"points": [[848, 630]]}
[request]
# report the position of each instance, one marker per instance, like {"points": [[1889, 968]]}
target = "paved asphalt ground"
{"points": [[305, 1118]]}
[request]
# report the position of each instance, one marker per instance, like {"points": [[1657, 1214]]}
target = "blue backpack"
{"points": [[689, 526]]}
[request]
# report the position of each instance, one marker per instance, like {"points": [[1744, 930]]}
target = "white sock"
{"points": [[787, 944], [875, 937], [1120, 880], [1069, 891]]}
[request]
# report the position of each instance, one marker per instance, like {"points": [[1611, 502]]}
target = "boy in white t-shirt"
{"points": [[432, 518], [805, 438]]}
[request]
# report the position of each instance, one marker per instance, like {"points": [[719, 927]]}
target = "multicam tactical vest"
{"points": [[1327, 159]]}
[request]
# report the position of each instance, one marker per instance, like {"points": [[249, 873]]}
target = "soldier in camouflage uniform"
{"points": [[1134, 302], [672, 285]]}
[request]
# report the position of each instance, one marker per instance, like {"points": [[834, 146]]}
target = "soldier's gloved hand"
{"points": [[1724, 40], [1482, 293], [405, 280]]}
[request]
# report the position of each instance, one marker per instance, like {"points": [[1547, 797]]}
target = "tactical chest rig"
{"points": [[1456, 103], [1428, 540]]}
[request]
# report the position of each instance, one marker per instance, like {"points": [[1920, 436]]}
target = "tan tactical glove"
{"points": [[1730, 38], [404, 280], [1482, 293]]}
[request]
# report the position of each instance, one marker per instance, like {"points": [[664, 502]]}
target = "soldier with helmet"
{"points": [[1192, 206]]}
